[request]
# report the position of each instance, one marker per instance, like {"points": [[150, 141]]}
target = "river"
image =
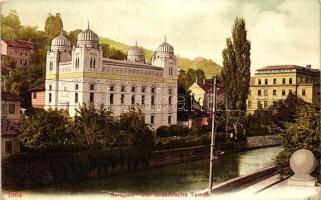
{"points": [[186, 177]]}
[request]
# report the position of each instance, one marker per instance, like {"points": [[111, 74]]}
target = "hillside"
{"points": [[207, 65]]}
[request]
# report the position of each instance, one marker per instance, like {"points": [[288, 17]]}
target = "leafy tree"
{"points": [[93, 127], [284, 111], [163, 132], [236, 69], [9, 25], [303, 133], [184, 104], [18, 84], [53, 25], [110, 52], [40, 131], [72, 36], [132, 123], [192, 75]]}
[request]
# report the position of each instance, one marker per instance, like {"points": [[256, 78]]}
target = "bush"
{"points": [[163, 132], [178, 130], [304, 133]]}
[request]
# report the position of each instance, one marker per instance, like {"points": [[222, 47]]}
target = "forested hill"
{"points": [[207, 65]]}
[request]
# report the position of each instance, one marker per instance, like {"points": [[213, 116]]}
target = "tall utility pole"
{"points": [[212, 157]]}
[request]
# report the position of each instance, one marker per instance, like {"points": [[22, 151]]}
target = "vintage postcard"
{"points": [[160, 99]]}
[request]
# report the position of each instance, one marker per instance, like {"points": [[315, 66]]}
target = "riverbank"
{"points": [[180, 155], [26, 173], [180, 178]]}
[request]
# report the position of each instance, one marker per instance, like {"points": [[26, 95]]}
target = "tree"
{"points": [[41, 132], [93, 128], [53, 25], [9, 25], [236, 70], [284, 111], [192, 75], [133, 124], [72, 36], [303, 133], [110, 52], [236, 67]]}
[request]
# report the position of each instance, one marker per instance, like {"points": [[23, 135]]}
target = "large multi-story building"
{"points": [[19, 51], [80, 75], [272, 83]]}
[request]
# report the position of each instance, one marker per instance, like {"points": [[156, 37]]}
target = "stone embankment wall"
{"points": [[263, 141], [51, 169]]}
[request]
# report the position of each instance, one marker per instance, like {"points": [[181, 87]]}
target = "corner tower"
{"points": [[60, 51], [164, 57]]}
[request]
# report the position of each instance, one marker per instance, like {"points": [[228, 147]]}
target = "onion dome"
{"points": [[136, 54], [88, 38], [165, 48], [60, 43]]}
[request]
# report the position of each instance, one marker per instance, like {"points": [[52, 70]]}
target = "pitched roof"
{"points": [[7, 96], [19, 43], [282, 67], [208, 88], [38, 88]]}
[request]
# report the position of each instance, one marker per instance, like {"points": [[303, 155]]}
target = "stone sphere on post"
{"points": [[302, 163]]}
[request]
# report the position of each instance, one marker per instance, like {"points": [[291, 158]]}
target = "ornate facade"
{"points": [[81, 75]]}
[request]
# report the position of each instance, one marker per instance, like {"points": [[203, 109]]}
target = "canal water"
{"points": [[187, 177]]}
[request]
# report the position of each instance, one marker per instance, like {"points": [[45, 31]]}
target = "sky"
{"points": [[280, 31]]}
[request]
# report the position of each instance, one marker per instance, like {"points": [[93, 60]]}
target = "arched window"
{"points": [[50, 65], [76, 87], [92, 87], [50, 87], [91, 63], [94, 62], [76, 97], [49, 97], [77, 62]]}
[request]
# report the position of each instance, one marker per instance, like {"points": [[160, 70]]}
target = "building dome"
{"points": [[136, 54], [88, 35], [165, 48], [88, 38], [60, 43]]}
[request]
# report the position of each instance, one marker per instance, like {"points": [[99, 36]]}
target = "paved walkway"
{"points": [[271, 188]]}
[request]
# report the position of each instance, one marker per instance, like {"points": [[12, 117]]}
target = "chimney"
{"points": [[203, 80], [308, 66]]}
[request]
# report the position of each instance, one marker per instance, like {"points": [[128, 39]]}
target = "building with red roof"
{"points": [[19, 51]]}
